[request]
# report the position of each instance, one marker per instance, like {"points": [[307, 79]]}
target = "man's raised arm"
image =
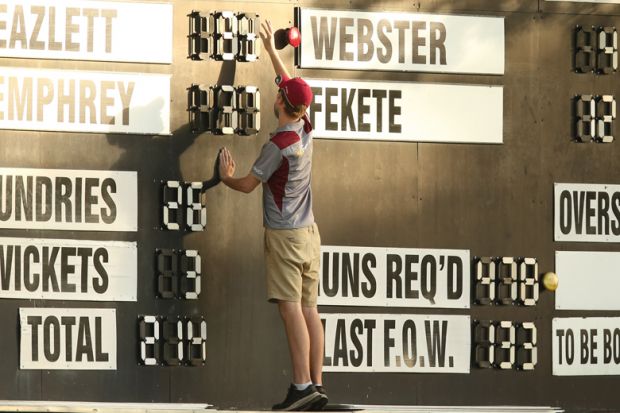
{"points": [[269, 44]]}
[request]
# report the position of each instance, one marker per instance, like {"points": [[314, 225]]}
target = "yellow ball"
{"points": [[550, 281]]}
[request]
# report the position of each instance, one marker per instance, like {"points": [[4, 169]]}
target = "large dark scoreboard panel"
{"points": [[493, 200]]}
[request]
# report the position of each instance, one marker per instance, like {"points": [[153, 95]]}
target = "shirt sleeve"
{"points": [[268, 162]]}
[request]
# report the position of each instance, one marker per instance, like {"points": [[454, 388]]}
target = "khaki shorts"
{"points": [[292, 258]]}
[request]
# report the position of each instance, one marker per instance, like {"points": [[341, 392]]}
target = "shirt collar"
{"points": [[292, 126]]}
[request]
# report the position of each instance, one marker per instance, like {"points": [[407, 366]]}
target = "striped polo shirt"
{"points": [[284, 166]]}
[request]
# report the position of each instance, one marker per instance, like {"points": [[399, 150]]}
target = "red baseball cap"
{"points": [[296, 90]]}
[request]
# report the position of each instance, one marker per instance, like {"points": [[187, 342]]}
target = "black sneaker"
{"points": [[321, 402], [298, 399]]}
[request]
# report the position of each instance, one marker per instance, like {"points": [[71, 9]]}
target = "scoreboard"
{"points": [[461, 152]]}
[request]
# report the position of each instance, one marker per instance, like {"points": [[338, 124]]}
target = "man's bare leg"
{"points": [[298, 340], [315, 331]]}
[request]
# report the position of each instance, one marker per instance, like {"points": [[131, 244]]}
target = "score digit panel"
{"points": [[506, 281], [596, 49], [505, 345], [168, 341], [183, 199], [595, 116], [178, 274], [224, 110], [223, 35]]}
